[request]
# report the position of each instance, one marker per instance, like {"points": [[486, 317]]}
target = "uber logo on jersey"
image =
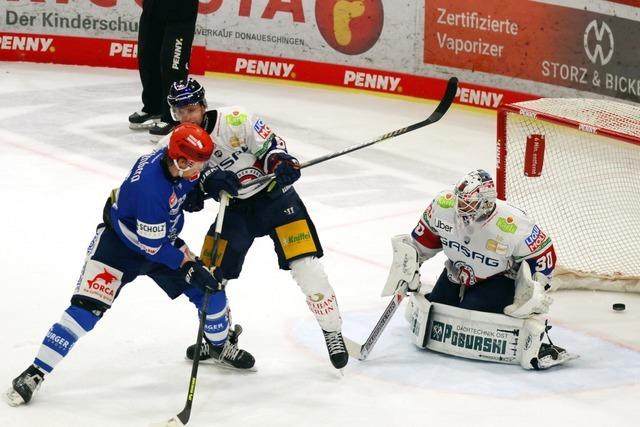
{"points": [[152, 231], [444, 226]]}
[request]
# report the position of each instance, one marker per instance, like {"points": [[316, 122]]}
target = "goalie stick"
{"points": [[361, 351], [182, 418], [441, 109]]}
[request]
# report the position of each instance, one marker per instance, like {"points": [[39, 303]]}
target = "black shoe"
{"points": [[160, 129], [228, 354], [337, 350], [141, 120], [24, 386]]}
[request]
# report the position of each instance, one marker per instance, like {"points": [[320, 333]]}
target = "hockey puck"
{"points": [[618, 306]]}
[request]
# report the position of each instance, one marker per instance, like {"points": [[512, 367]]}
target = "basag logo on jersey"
{"points": [[484, 259], [350, 26]]}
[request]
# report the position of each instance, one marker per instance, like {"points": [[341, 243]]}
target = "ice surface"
{"points": [[64, 144]]}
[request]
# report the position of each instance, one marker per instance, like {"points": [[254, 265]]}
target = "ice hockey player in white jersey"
{"points": [[498, 259], [246, 149]]}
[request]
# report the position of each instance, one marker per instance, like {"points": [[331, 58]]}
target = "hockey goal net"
{"points": [[574, 166]]}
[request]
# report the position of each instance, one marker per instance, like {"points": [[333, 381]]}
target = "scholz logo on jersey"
{"points": [[535, 239], [152, 231], [491, 262]]}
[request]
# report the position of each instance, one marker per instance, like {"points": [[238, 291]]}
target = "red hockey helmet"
{"points": [[191, 142]]}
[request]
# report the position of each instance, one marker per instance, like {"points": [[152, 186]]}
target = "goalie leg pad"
{"points": [[321, 298], [417, 314]]}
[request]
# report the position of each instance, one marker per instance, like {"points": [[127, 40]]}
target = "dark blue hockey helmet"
{"points": [[186, 92]]}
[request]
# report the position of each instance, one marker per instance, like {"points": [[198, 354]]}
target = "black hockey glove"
{"points": [[197, 275], [215, 180], [286, 168], [195, 200]]}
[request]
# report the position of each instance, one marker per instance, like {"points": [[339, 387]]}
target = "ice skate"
{"points": [[160, 129], [337, 350], [551, 355], [24, 386], [227, 355], [142, 121]]}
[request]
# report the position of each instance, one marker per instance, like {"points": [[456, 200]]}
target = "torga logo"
{"points": [[350, 26]]}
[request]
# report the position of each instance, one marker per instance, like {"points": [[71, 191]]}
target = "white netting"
{"points": [[588, 193]]}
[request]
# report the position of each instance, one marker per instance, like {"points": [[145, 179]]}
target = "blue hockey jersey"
{"points": [[147, 213]]}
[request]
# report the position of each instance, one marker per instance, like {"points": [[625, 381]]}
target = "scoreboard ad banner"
{"points": [[536, 41], [390, 42]]}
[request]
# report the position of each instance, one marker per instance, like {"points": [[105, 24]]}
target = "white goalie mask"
{"points": [[475, 197]]}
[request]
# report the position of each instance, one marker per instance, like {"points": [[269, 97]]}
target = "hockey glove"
{"points": [[197, 275], [286, 168], [530, 296], [194, 201], [214, 181]]}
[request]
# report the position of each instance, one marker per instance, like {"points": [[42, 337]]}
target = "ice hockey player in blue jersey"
{"points": [[139, 236], [246, 149]]}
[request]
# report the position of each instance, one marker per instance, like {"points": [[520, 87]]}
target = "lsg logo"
{"points": [[594, 36]]}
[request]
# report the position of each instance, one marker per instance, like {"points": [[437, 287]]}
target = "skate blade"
{"points": [[144, 125], [173, 422], [223, 365], [12, 398], [548, 362]]}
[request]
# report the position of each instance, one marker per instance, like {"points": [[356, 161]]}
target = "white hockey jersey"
{"points": [[496, 245], [243, 144]]}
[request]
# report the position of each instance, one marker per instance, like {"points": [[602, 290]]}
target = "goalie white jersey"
{"points": [[495, 245]]}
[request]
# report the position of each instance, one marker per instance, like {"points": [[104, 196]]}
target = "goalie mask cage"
{"points": [[574, 166]]}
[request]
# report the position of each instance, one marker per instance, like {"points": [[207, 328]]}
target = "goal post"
{"points": [[574, 166]]}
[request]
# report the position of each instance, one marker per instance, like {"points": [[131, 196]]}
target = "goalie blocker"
{"points": [[483, 336]]}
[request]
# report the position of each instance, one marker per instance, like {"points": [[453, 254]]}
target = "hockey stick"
{"points": [[441, 109], [183, 417], [361, 352]]}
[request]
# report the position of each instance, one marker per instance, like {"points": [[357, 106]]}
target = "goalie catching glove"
{"points": [[530, 296]]}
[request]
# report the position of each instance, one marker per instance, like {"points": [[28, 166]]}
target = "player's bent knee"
{"points": [[91, 305], [309, 274]]}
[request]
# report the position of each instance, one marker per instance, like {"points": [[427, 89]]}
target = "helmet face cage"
{"points": [[185, 92], [475, 196]]}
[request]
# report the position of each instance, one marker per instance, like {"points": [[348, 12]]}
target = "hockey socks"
{"points": [[62, 336]]}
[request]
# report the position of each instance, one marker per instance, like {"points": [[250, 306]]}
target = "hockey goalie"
{"points": [[488, 301]]}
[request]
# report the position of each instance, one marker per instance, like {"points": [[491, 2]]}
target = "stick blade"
{"points": [[353, 348], [446, 101]]}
